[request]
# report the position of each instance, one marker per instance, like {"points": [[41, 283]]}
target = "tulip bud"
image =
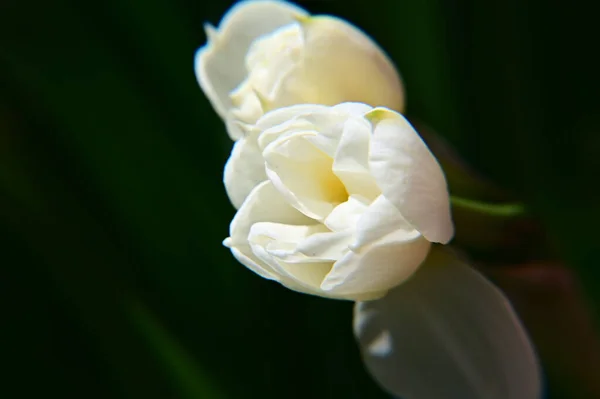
{"points": [[268, 54]]}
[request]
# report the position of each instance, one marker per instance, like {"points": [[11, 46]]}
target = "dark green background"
{"points": [[112, 210]]}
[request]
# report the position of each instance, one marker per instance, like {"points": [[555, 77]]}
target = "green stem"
{"points": [[510, 209]]}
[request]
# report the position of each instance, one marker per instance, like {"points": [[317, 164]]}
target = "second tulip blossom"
{"points": [[268, 54], [341, 202]]}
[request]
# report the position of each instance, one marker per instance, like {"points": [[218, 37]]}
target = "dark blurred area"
{"points": [[112, 209]]}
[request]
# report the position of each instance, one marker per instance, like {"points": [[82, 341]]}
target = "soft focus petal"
{"points": [[302, 174], [220, 64], [244, 170], [341, 64], [447, 333], [409, 175]]}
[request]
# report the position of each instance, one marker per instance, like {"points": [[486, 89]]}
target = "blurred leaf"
{"points": [[192, 383]]}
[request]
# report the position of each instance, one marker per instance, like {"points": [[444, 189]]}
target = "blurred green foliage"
{"points": [[112, 209]]}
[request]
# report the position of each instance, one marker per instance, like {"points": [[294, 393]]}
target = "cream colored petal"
{"points": [[263, 204], [244, 255], [409, 175], [272, 241], [301, 244], [282, 240], [351, 163], [447, 333], [377, 267], [346, 215], [352, 109], [220, 64], [341, 64], [377, 221], [277, 117], [302, 174], [244, 170]]}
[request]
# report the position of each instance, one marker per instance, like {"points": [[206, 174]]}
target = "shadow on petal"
{"points": [[447, 333]]}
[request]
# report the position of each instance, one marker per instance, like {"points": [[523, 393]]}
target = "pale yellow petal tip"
{"points": [[376, 115], [302, 19], [227, 242]]}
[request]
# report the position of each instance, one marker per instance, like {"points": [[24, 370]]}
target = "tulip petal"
{"points": [[447, 333], [378, 220], [244, 170], [341, 63], [378, 268], [220, 64], [409, 175], [263, 204], [351, 162], [302, 174], [273, 241], [346, 215]]}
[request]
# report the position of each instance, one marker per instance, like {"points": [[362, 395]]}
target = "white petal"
{"points": [[346, 215], [281, 115], [447, 333], [377, 267], [409, 175], [302, 174], [378, 220], [263, 204], [352, 108], [244, 169], [244, 255], [351, 163], [300, 244], [341, 64], [220, 64]]}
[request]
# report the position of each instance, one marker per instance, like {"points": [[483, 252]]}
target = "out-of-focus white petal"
{"points": [[377, 267], [352, 109], [220, 64], [447, 333], [409, 175], [351, 162], [302, 174], [342, 64], [281, 115], [244, 169]]}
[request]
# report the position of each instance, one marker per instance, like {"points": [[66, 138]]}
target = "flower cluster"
{"points": [[337, 194]]}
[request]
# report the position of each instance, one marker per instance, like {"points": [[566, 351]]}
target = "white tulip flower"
{"points": [[271, 54], [341, 202]]}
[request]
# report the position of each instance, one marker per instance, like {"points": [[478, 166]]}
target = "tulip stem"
{"points": [[510, 209]]}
